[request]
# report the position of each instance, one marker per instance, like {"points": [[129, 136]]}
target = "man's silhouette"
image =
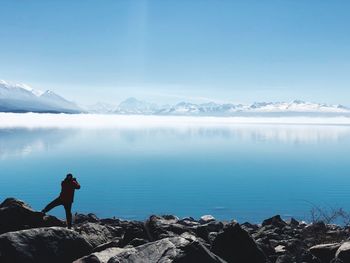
{"points": [[69, 184]]}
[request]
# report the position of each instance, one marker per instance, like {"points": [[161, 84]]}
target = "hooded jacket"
{"points": [[67, 190]]}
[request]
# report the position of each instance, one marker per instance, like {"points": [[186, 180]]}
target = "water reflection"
{"points": [[21, 142], [271, 133]]}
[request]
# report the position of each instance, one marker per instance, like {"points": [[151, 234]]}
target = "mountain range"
{"points": [[296, 107], [22, 98]]}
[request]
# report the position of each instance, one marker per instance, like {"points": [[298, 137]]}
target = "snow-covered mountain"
{"points": [[22, 98], [100, 108], [134, 106], [296, 107]]}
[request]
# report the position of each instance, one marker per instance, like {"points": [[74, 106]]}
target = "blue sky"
{"points": [[172, 50]]}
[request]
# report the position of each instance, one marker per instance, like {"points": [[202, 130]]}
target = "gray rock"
{"points": [[203, 230], [212, 236], [343, 252], [325, 252], [280, 249], [103, 256], [250, 228], [16, 215], [214, 226], [188, 221], [159, 227], [137, 242], [167, 250], [317, 227], [293, 222], [265, 245], [114, 243], [171, 217], [274, 221], [235, 245], [192, 237], [82, 218], [42, 245], [206, 219], [97, 234], [133, 229], [110, 221]]}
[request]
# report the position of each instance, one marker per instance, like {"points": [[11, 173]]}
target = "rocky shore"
{"points": [[27, 236]]}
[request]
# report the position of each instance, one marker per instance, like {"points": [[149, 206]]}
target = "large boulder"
{"points": [[42, 245], [174, 249], [235, 245], [325, 252], [343, 252], [98, 234], [16, 215]]}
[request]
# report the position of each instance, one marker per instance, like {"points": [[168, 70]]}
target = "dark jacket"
{"points": [[67, 191]]}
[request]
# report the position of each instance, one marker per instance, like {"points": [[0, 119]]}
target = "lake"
{"points": [[237, 171]]}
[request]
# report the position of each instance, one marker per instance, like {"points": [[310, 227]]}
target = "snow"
{"points": [[19, 86]]}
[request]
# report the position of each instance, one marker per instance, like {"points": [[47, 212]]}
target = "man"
{"points": [[66, 198]]}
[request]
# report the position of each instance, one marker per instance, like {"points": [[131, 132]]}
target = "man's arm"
{"points": [[76, 184]]}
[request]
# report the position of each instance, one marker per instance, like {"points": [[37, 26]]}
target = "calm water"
{"points": [[246, 172]]}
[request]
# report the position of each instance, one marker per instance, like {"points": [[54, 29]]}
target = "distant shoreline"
{"points": [[50, 120]]}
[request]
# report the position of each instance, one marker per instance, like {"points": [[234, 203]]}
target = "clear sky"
{"points": [[171, 50]]}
